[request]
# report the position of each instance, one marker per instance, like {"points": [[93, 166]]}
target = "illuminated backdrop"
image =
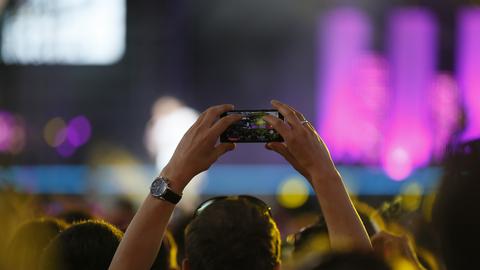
{"points": [[396, 110]]}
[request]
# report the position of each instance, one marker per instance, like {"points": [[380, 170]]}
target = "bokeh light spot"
{"points": [[398, 164], [12, 133], [66, 149], [292, 193], [412, 196], [54, 132], [6, 131], [79, 131]]}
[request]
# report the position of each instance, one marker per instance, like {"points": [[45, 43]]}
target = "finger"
{"points": [[287, 113], [302, 118], [278, 125], [210, 115], [299, 115], [223, 123], [282, 150], [222, 148], [277, 147]]}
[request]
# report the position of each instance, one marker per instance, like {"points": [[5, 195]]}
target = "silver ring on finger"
{"points": [[304, 122]]}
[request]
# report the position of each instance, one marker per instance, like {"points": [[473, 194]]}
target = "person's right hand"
{"points": [[198, 149], [302, 148]]}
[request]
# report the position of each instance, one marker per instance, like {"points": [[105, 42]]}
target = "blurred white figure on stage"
{"points": [[169, 121]]}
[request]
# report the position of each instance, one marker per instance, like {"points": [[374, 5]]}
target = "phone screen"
{"points": [[251, 128]]}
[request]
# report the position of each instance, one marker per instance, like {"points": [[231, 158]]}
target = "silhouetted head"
{"points": [[349, 261], [314, 239], [30, 240], [235, 232], [457, 209], [74, 216], [86, 245]]}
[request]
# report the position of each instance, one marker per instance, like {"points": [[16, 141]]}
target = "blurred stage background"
{"points": [[388, 85]]}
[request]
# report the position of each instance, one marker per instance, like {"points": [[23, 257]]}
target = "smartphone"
{"points": [[251, 128]]}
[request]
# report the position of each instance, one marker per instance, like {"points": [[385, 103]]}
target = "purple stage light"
{"points": [[412, 58], [468, 68], [345, 117], [66, 149], [78, 131]]}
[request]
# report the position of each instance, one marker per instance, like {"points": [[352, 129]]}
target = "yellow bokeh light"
{"points": [[292, 193], [412, 196], [402, 264], [54, 132]]}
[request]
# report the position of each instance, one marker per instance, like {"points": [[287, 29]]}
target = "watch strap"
{"points": [[168, 195], [171, 196]]}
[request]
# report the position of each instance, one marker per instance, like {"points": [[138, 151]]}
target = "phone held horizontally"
{"points": [[251, 128]]}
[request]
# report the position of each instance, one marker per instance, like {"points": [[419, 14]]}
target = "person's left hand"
{"points": [[198, 149], [303, 148]]}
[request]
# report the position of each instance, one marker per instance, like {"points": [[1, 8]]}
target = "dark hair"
{"points": [[74, 216], [232, 233], [315, 239], [86, 245], [350, 260], [30, 240], [456, 211]]}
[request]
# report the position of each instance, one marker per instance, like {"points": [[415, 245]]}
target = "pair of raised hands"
{"points": [[198, 149]]}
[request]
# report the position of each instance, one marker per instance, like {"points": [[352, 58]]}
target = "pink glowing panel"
{"points": [[445, 112], [78, 131], [412, 58], [468, 68], [343, 61]]}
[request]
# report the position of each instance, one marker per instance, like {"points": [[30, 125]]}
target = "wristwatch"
{"points": [[160, 189]]}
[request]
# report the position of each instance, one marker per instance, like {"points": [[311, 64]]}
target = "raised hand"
{"points": [[198, 149], [303, 148], [307, 153]]}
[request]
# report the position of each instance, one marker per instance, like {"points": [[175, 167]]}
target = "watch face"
{"points": [[158, 187]]}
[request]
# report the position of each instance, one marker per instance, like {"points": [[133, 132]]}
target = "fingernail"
{"points": [[274, 101], [267, 145]]}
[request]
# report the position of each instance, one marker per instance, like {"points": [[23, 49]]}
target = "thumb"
{"points": [[282, 150], [278, 147], [222, 148]]}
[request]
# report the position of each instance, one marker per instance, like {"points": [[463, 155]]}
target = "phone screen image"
{"points": [[251, 128]]}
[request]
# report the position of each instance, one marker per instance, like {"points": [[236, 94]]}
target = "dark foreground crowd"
{"points": [[238, 232]]}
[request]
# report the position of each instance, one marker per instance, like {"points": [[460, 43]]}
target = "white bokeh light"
{"points": [[170, 120], [84, 32]]}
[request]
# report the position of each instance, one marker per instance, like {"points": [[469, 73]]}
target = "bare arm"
{"points": [[308, 154], [393, 248], [195, 153]]}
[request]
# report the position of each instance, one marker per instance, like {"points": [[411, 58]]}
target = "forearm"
{"points": [[143, 238], [195, 153], [345, 227]]}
